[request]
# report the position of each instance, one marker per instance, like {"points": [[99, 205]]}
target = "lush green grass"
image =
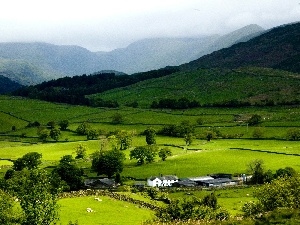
{"points": [[212, 86], [231, 199], [218, 157], [108, 211]]}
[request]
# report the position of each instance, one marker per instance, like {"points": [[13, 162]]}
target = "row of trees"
{"points": [[72, 90]]}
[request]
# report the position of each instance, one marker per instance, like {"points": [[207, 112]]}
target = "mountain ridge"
{"points": [[43, 61]]}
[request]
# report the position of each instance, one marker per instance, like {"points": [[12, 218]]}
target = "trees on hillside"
{"points": [[164, 153], [55, 133], [69, 173], [283, 192], [108, 162], [30, 160], [37, 194], [144, 154], [150, 133]]}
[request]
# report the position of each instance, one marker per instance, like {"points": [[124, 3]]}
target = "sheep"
{"points": [[89, 210]]}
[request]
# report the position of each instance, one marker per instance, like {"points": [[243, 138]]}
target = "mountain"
{"points": [[7, 85], [42, 61], [32, 63], [155, 53], [277, 48], [241, 35]]}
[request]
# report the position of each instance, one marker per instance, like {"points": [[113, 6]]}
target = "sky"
{"points": [[104, 25]]}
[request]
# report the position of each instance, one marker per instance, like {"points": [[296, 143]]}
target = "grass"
{"points": [[212, 86], [217, 156], [232, 199], [108, 211]]}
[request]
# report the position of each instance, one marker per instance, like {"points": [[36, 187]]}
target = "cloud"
{"points": [[105, 25]]}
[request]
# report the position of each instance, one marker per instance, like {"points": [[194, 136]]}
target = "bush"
{"points": [[293, 134]]}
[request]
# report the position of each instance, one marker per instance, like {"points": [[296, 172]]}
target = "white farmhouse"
{"points": [[162, 181]]}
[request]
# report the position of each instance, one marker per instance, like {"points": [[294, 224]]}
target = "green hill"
{"points": [[7, 85], [278, 48], [219, 87]]}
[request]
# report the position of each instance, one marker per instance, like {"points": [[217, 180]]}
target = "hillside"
{"points": [[278, 48], [33, 63], [7, 85], [72, 90], [155, 53], [214, 87]]}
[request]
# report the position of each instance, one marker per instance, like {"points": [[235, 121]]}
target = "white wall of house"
{"points": [[160, 182]]}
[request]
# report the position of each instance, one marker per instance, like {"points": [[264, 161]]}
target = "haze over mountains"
{"points": [[258, 71], [33, 63]]}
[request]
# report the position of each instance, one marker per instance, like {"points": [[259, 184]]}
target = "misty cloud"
{"points": [[102, 25]]}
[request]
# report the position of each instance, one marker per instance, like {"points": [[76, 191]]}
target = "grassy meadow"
{"points": [[198, 159], [107, 211]]}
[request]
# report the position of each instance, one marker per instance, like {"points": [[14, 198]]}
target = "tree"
{"points": [[70, 173], [192, 209], [7, 215], [209, 135], [254, 120], [150, 136], [199, 121], [92, 134], [83, 128], [283, 192], [39, 203], [117, 118], [43, 134], [257, 133], [55, 133], [256, 168], [188, 138], [30, 160], [38, 196], [285, 172], [81, 151], [63, 124], [143, 154], [108, 162], [210, 200], [164, 153], [124, 139], [51, 124], [293, 134]]}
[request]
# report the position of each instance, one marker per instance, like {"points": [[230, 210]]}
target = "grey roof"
{"points": [[166, 177], [203, 178], [217, 181]]}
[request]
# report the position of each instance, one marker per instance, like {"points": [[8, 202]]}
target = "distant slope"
{"points": [[42, 61], [72, 90], [218, 87], [241, 35], [7, 85], [32, 63], [278, 48], [155, 53]]}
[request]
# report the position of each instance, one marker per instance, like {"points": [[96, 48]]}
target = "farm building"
{"points": [[218, 182], [185, 182], [100, 183], [162, 181]]}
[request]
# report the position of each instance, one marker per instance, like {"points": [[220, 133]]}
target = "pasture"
{"points": [[107, 211], [198, 159]]}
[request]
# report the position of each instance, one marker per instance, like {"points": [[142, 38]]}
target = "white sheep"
{"points": [[89, 210]]}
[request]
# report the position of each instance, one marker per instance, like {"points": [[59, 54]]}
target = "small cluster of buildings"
{"points": [[214, 180]]}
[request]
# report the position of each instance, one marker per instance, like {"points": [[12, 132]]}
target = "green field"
{"points": [[108, 211], [198, 159]]}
